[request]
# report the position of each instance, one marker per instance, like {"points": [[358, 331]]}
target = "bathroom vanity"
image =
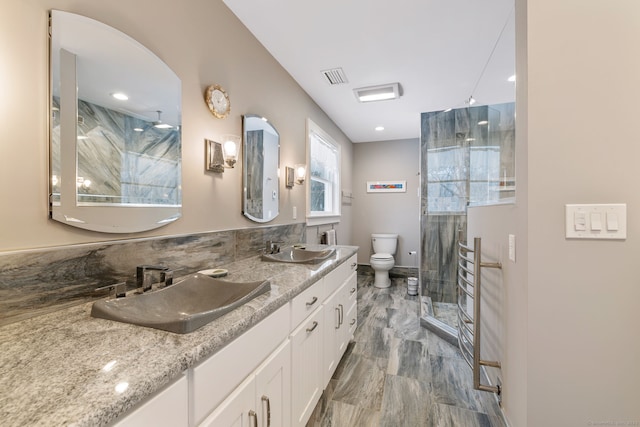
{"points": [[266, 361]]}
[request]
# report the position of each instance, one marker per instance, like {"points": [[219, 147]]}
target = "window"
{"points": [[323, 202]]}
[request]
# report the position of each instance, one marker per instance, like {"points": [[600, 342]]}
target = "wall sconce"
{"points": [[300, 174], [230, 144], [214, 160], [288, 179]]}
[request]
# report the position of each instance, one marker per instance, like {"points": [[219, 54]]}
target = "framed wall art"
{"points": [[386, 186]]}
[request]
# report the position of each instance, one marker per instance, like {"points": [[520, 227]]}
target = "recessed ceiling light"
{"points": [[379, 128], [120, 96], [378, 93], [512, 78], [138, 129], [483, 122], [470, 139]]}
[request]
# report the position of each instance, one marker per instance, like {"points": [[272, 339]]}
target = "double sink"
{"points": [[197, 299]]}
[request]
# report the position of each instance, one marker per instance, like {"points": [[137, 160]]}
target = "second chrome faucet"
{"points": [[144, 276]]}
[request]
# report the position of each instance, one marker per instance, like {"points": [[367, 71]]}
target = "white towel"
{"points": [[331, 237]]}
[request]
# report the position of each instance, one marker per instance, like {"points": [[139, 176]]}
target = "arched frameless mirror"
{"points": [[115, 139], [261, 162]]}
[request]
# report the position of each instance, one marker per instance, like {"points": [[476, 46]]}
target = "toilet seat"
{"points": [[382, 257]]}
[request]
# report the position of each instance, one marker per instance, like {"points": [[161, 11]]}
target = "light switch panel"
{"points": [[512, 247], [598, 221]]}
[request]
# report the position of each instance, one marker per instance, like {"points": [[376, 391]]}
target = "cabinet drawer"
{"points": [[305, 303], [216, 377], [168, 408], [338, 276]]}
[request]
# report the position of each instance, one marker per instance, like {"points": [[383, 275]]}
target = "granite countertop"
{"points": [[67, 368]]}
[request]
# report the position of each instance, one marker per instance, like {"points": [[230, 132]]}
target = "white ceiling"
{"points": [[436, 49]]}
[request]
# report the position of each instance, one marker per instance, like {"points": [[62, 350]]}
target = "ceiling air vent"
{"points": [[335, 76]]}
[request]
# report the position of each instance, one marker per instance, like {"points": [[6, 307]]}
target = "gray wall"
{"points": [[387, 212], [570, 307], [182, 36]]}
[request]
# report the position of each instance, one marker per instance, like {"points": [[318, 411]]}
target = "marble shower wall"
{"points": [[467, 157], [122, 165], [35, 282]]}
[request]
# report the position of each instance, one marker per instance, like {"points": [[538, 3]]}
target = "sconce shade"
{"points": [[301, 173], [230, 149]]}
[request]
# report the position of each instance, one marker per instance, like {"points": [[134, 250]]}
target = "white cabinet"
{"points": [[271, 375], [168, 408], [306, 367], [262, 399], [333, 308], [339, 310], [215, 378]]}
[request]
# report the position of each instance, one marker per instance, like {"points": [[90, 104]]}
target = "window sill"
{"points": [[322, 220]]}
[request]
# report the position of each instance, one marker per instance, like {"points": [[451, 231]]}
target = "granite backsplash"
{"points": [[34, 282]]}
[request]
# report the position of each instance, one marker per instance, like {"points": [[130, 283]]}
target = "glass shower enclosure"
{"points": [[467, 158]]}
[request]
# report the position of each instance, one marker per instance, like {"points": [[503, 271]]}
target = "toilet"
{"points": [[384, 247]]}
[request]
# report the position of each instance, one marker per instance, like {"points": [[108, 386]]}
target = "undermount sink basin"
{"points": [[182, 307], [299, 256]]}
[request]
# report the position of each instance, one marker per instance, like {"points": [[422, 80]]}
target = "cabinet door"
{"points": [[306, 367], [273, 387], [237, 409], [349, 313], [332, 327]]}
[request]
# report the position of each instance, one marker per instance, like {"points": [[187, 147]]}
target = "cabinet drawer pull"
{"points": [[338, 322], [315, 325], [252, 414], [352, 290], [353, 322], [341, 315], [354, 265], [313, 301], [266, 399]]}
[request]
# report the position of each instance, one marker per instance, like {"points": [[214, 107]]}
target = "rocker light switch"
{"points": [[596, 221], [612, 221]]}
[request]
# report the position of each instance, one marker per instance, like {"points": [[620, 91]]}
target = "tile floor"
{"points": [[396, 373]]}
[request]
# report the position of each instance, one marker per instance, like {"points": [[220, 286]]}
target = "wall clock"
{"points": [[218, 101]]}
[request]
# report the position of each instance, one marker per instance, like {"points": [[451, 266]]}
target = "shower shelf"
{"points": [[469, 274]]}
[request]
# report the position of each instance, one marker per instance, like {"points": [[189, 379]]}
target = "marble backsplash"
{"points": [[39, 281]]}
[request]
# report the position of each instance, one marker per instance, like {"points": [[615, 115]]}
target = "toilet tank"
{"points": [[384, 243]]}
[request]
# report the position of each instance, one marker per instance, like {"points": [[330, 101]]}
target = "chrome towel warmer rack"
{"points": [[469, 278]]}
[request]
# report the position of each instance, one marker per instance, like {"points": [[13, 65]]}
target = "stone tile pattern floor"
{"points": [[396, 373]]}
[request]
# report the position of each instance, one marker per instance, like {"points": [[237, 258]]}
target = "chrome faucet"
{"points": [[272, 247], [144, 277]]}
